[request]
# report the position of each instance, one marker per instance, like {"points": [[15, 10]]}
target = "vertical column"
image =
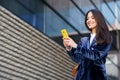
{"points": [[117, 37]]}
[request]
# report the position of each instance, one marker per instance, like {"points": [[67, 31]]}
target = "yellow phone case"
{"points": [[64, 33]]}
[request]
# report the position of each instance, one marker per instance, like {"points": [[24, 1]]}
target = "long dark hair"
{"points": [[102, 32]]}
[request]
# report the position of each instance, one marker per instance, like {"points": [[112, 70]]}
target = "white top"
{"points": [[92, 37]]}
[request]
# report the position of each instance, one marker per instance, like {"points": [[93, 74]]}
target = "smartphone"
{"points": [[64, 33]]}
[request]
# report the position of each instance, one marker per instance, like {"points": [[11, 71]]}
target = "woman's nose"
{"points": [[88, 21]]}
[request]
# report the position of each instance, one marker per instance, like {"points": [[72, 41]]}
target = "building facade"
{"points": [[31, 38]]}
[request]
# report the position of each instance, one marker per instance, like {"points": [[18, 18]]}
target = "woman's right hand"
{"points": [[68, 43]]}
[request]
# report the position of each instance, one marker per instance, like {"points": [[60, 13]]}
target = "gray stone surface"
{"points": [[26, 54]]}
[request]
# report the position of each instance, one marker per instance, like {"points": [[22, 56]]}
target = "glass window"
{"points": [[54, 24], [31, 11], [46, 20], [107, 13], [70, 13], [118, 5]]}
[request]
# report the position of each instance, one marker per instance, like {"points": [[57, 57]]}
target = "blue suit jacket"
{"points": [[91, 59]]}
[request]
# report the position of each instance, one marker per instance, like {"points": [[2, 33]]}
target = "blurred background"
{"points": [[50, 16]]}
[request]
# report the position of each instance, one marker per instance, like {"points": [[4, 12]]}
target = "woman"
{"points": [[91, 51]]}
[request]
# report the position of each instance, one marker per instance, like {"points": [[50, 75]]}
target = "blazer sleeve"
{"points": [[74, 52], [95, 52], [74, 56]]}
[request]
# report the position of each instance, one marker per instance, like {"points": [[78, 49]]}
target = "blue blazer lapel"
{"points": [[88, 43]]}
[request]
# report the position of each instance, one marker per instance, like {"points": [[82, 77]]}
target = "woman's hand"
{"points": [[68, 43]]}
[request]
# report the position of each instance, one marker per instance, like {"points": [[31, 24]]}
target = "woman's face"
{"points": [[91, 22]]}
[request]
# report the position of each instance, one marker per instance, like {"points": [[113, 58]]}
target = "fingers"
{"points": [[69, 42], [66, 42], [66, 38]]}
